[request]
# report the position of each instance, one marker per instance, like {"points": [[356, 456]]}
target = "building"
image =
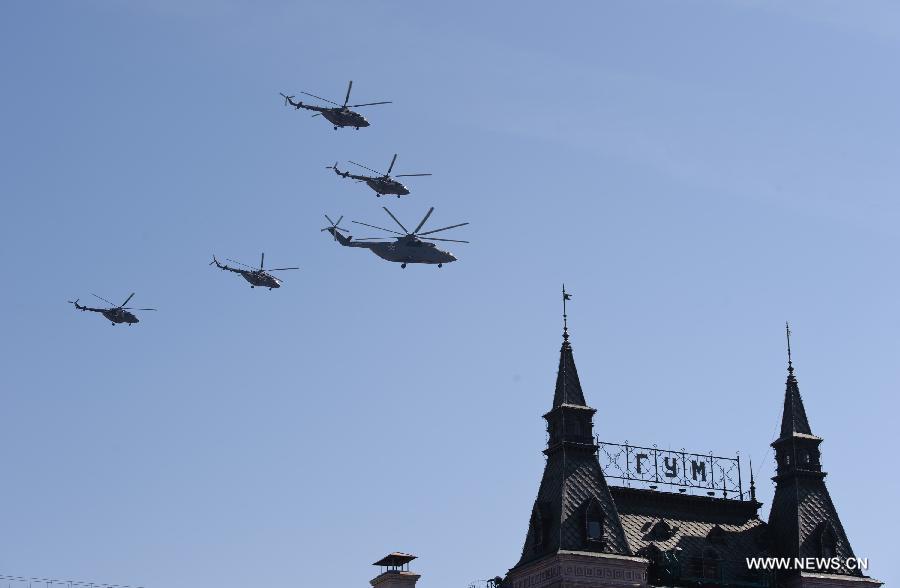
{"points": [[584, 533]]}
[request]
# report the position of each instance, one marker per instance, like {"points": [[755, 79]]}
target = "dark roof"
{"points": [[803, 521], [689, 524], [573, 487], [793, 419], [395, 559], [568, 387]]}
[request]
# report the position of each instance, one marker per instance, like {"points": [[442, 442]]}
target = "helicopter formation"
{"points": [[399, 247], [406, 247]]}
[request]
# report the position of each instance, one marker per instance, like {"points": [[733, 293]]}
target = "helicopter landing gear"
{"points": [[252, 286], [378, 195], [398, 195], [270, 289], [403, 265], [357, 128], [335, 128], [113, 324], [440, 265]]}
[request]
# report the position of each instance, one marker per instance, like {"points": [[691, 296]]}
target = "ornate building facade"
{"points": [[584, 533]]}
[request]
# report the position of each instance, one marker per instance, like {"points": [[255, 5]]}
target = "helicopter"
{"points": [[409, 247], [341, 116], [382, 183], [257, 277], [116, 314]]}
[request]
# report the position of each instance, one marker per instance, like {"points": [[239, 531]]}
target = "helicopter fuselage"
{"points": [[344, 117], [403, 250], [120, 315], [261, 279], [387, 186]]}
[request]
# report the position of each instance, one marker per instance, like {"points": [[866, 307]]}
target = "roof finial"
{"points": [[752, 483], [566, 296], [787, 330]]}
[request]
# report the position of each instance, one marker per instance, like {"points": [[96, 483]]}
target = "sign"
{"points": [[655, 466]]}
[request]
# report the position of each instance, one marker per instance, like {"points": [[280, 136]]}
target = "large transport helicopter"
{"points": [[383, 183], [115, 314], [257, 277], [339, 116], [409, 247]]}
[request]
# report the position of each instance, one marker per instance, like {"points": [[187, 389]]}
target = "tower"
{"points": [[803, 522], [575, 537]]}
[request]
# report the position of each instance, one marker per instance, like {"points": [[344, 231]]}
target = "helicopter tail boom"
{"points": [[345, 241]]}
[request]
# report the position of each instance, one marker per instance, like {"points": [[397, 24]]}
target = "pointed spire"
{"points": [[568, 387], [793, 419], [752, 482]]}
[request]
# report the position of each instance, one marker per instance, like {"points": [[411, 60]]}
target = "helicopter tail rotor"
{"points": [[336, 230], [287, 99]]}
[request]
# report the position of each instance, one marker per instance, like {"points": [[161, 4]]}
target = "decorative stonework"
{"points": [[574, 569]]}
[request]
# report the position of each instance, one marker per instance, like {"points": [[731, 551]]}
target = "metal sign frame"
{"points": [[653, 466]]}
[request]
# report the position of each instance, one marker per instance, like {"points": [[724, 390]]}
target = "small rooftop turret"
{"points": [[395, 571]]}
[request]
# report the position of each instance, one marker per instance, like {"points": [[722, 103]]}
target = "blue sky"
{"points": [[696, 172]]}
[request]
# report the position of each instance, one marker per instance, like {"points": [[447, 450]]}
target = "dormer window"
{"points": [[717, 536], [660, 531], [593, 522]]}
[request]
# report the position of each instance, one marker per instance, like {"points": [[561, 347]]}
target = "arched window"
{"points": [[593, 522]]}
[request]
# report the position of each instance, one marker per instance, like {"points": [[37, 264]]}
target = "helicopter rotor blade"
{"points": [[316, 114], [410, 175], [261, 260], [371, 239], [439, 239], [287, 99], [281, 269], [379, 228], [427, 214], [320, 98], [103, 299], [126, 300], [390, 167], [364, 167], [444, 229], [395, 219], [369, 104], [129, 308], [347, 97], [239, 263]]}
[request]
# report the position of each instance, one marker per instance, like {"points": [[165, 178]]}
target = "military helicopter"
{"points": [[116, 314], [257, 277], [409, 247], [341, 116], [382, 183]]}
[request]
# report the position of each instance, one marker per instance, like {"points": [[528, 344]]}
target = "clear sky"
{"points": [[696, 172]]}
